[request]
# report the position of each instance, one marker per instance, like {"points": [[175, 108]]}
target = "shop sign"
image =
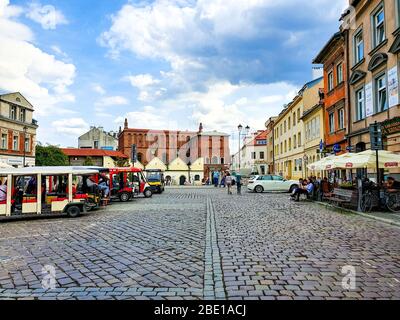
{"points": [[369, 106], [391, 126]]}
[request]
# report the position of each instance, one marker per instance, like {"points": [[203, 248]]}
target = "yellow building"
{"points": [[313, 120], [289, 132]]}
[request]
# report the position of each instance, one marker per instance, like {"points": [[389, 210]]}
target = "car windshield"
{"points": [[153, 177]]}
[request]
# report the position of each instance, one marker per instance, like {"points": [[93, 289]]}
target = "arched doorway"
{"points": [[168, 180], [182, 180]]}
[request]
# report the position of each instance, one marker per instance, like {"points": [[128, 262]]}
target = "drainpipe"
{"points": [[348, 105]]}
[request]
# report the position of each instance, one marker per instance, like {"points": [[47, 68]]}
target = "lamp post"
{"points": [[25, 130], [240, 129]]}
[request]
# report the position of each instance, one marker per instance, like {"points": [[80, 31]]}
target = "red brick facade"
{"points": [[167, 145]]}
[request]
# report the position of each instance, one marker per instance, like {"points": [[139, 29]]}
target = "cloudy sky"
{"points": [[162, 64]]}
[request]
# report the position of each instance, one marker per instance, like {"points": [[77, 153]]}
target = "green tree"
{"points": [[88, 162], [121, 162], [50, 156]]}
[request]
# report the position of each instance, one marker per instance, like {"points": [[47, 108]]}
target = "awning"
{"points": [[367, 159]]}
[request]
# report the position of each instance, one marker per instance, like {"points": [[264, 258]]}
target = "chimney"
{"points": [[126, 124], [201, 128]]}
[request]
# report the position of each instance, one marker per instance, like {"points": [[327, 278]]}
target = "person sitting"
{"points": [[3, 192], [104, 188], [306, 189], [301, 182], [392, 185]]}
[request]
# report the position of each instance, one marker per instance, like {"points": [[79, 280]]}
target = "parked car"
{"points": [[264, 183]]}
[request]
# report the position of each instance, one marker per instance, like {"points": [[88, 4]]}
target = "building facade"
{"points": [[95, 157], [269, 125], [373, 46], [289, 131], [168, 145], [253, 156], [97, 138], [333, 57], [313, 120], [18, 130]]}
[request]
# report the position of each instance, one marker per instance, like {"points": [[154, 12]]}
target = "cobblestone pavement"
{"points": [[201, 244]]}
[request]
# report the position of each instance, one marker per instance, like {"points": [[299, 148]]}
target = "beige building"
{"points": [[18, 130], [270, 144], [98, 138], [313, 120], [289, 131], [374, 46]]}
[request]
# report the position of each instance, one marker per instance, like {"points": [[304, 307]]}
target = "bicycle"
{"points": [[372, 199]]}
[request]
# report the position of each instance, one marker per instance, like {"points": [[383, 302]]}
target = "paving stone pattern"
{"points": [[201, 244]]}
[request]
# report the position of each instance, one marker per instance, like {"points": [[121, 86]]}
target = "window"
{"points": [[380, 93], [262, 155], [289, 124], [265, 178], [360, 104], [341, 118], [299, 139], [300, 162], [294, 142], [294, 119], [96, 144], [13, 113], [4, 144], [15, 143], [277, 178], [22, 115], [284, 126], [331, 122], [253, 155], [298, 115], [27, 144], [285, 146], [339, 73], [330, 81], [290, 144], [379, 26], [358, 46], [222, 160]]}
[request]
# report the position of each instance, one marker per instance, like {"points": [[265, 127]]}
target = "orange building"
{"points": [[336, 116]]}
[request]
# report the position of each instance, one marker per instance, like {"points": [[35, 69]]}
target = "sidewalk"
{"points": [[386, 217]]}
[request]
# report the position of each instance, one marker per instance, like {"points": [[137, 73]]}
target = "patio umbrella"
{"points": [[367, 159], [328, 163]]}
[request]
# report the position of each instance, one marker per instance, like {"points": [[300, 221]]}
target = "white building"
{"points": [[253, 156]]}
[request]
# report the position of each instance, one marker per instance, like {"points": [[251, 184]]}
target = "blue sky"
{"points": [[162, 64]]}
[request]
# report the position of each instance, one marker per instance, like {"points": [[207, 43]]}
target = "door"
{"points": [[279, 183], [182, 180], [289, 169]]}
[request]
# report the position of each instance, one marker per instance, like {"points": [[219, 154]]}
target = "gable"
{"points": [[178, 164], [18, 99], [156, 163], [357, 76]]}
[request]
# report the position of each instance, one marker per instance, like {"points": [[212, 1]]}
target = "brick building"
{"points": [[18, 130], [167, 145]]}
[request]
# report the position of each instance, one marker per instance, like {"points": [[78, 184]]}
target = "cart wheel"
{"points": [[148, 193], [73, 211], [124, 197]]}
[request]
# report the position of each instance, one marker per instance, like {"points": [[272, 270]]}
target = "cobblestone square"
{"points": [[202, 244]]}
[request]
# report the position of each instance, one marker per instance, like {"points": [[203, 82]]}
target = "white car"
{"points": [[260, 184]]}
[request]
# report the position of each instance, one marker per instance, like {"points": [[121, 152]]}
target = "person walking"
{"points": [[239, 184], [228, 182], [216, 178]]}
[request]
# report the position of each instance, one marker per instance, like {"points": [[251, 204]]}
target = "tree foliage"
{"points": [[50, 156], [88, 162], [121, 162]]}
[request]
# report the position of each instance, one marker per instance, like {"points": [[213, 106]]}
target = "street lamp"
{"points": [[246, 132], [25, 130]]}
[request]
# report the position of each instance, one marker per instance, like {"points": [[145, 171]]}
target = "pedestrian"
{"points": [[228, 182], [239, 184], [215, 178], [223, 180]]}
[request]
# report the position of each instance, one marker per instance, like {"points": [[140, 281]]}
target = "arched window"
{"points": [[215, 160]]}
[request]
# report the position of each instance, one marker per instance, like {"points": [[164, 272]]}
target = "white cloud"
{"points": [[47, 15], [98, 88], [70, 126], [39, 76], [111, 101]]}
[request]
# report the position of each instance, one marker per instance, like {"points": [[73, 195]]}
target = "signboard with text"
{"points": [[393, 87], [369, 105]]}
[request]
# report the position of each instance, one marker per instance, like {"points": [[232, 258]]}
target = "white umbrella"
{"points": [[4, 165], [367, 159]]}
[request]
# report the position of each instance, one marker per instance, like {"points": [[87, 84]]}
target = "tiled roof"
{"points": [[73, 152]]}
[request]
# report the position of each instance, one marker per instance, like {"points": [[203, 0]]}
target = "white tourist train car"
{"points": [[34, 191]]}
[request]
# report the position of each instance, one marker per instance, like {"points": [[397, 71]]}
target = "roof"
{"points": [[73, 152], [214, 133], [332, 41], [47, 171]]}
